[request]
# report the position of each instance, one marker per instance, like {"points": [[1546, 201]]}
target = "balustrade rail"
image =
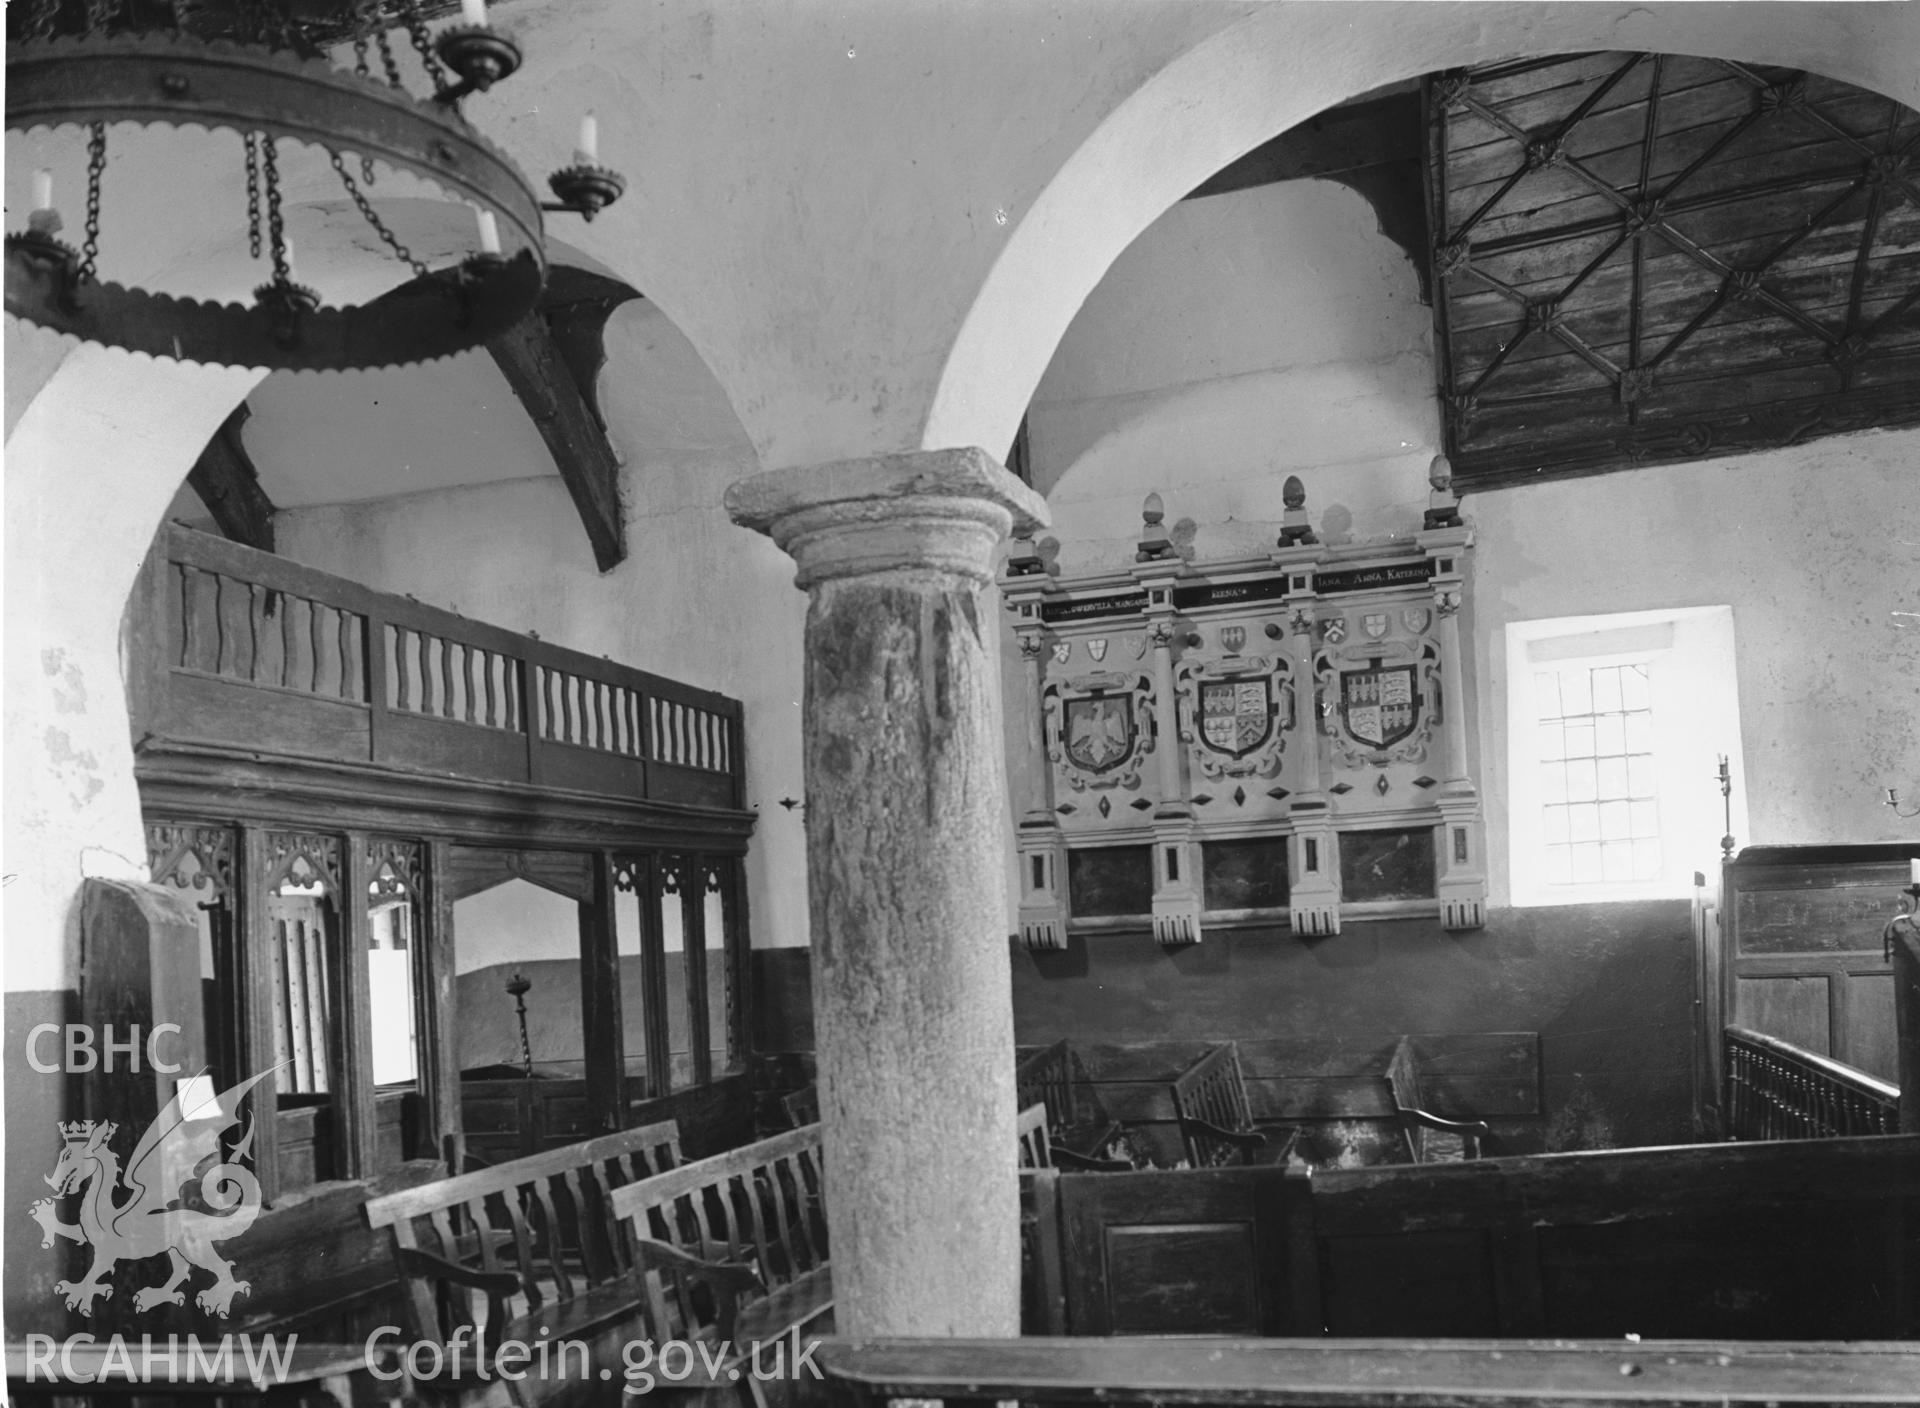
{"points": [[246, 650], [1776, 1090]]}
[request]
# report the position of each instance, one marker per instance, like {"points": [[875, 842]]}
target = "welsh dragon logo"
{"points": [[177, 1150]]}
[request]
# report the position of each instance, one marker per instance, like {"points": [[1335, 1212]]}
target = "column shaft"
{"points": [[906, 810]]}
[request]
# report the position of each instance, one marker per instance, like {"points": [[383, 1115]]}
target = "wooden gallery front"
{"points": [[466, 894]]}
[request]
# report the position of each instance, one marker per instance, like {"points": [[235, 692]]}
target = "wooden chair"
{"points": [[1037, 1149], [1416, 1124], [1079, 1130], [1216, 1123], [802, 1106]]}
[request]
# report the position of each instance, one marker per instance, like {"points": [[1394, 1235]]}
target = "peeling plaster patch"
{"points": [[78, 769], [100, 863], [70, 693]]}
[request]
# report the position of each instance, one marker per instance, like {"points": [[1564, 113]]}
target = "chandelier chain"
{"points": [[417, 31], [276, 226], [252, 140], [96, 167], [372, 218], [387, 60]]}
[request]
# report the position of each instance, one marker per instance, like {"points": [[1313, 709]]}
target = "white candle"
{"points": [[1913, 870], [473, 11], [589, 153], [489, 233], [43, 189]]}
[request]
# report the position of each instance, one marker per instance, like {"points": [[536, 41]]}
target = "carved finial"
{"points": [[1023, 558], [1443, 506], [1294, 526], [1154, 542]]}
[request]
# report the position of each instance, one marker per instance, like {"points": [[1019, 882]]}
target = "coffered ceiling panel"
{"points": [[1641, 258]]}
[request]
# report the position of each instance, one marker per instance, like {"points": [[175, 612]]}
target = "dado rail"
{"points": [[246, 650]]}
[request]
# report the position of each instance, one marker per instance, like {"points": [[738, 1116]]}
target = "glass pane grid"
{"points": [[1600, 816]]}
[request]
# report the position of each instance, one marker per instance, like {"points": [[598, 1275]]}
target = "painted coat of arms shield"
{"points": [[1100, 731], [1236, 716], [1379, 706]]}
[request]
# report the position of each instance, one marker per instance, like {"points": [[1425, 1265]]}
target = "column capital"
{"points": [[927, 509]]}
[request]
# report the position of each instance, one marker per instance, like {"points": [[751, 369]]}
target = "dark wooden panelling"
{"points": [[1188, 1252], [446, 745], [1803, 1240], [1804, 960], [689, 786], [212, 708], [1793, 1008]]}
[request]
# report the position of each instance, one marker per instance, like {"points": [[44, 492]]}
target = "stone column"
{"points": [[906, 811]]}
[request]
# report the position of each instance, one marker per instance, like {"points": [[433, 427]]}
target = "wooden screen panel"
{"points": [[1793, 1008], [1872, 1042], [1191, 1252], [1841, 915], [1411, 1283], [1183, 1279]]}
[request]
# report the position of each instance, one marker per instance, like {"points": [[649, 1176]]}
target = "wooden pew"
{"points": [[732, 1251], [1270, 1374], [526, 1250], [1417, 1124], [1808, 1239], [1216, 1122]]}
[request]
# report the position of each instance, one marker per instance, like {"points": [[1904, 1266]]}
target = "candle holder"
{"points": [[480, 54], [519, 985], [585, 189]]}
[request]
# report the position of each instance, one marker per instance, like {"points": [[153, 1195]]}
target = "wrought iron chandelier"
{"points": [[258, 68]]}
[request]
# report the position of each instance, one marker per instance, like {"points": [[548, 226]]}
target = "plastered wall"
{"points": [[1274, 331]]}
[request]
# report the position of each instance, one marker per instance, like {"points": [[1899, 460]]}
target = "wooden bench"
{"points": [[1216, 1122], [527, 1250], [1416, 1123], [732, 1249]]}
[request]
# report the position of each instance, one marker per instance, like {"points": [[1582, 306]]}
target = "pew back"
{"points": [[760, 1207], [528, 1234], [1811, 1239]]}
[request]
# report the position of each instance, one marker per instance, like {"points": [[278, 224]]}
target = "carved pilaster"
{"points": [[1313, 850], [1460, 839], [1176, 852]]}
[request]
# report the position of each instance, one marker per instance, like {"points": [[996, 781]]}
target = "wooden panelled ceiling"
{"points": [[1641, 258]]}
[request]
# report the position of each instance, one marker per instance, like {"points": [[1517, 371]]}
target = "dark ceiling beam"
{"points": [[1375, 147], [552, 361], [228, 484]]}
